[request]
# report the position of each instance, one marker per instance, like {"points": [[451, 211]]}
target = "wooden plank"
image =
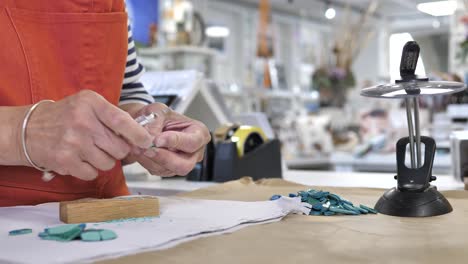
{"points": [[99, 210]]}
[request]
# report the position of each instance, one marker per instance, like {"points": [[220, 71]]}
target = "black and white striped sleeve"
{"points": [[133, 90]]}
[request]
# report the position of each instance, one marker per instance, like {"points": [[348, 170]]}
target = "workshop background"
{"points": [[339, 135], [293, 70]]}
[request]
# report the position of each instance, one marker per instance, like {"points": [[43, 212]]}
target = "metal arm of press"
{"points": [[409, 60]]}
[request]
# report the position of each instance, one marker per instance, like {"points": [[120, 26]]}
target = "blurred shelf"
{"points": [[443, 144], [359, 179], [284, 94], [233, 94], [322, 163], [272, 94], [175, 185], [178, 49], [201, 59], [278, 94], [368, 163]]}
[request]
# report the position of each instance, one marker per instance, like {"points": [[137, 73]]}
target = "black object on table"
{"points": [[222, 163], [414, 196]]}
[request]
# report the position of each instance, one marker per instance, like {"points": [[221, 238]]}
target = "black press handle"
{"points": [[415, 179], [409, 60]]}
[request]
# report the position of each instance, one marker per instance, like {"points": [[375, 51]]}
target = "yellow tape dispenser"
{"points": [[245, 151], [248, 138]]}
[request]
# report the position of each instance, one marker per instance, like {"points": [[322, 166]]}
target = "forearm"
{"points": [[11, 118]]}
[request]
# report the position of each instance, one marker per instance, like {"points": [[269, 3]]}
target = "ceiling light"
{"points": [[330, 13], [217, 32], [440, 8]]}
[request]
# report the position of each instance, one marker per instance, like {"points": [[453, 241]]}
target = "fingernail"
{"points": [[150, 153], [161, 142]]}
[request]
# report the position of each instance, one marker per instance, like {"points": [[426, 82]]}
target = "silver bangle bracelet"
{"points": [[47, 175]]}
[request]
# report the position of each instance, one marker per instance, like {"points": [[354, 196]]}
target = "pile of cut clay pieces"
{"points": [[71, 232], [326, 203]]}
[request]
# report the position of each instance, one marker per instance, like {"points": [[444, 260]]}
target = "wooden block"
{"points": [[100, 210]]}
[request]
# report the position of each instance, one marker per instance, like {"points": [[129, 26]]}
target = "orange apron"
{"points": [[50, 49]]}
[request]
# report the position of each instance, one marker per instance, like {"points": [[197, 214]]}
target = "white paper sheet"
{"points": [[180, 220]]}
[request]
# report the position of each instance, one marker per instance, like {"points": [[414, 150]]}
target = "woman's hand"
{"points": [[179, 141], [82, 134]]}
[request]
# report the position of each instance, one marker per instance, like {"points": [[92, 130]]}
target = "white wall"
{"points": [[366, 66], [434, 51]]}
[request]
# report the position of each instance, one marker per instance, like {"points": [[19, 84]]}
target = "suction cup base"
{"points": [[429, 202]]}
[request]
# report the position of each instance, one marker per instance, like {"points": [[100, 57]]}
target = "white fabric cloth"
{"points": [[181, 220]]}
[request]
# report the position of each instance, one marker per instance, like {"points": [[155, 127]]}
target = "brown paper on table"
{"points": [[324, 239]]}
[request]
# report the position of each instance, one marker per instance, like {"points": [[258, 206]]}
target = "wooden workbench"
{"points": [[319, 239]]}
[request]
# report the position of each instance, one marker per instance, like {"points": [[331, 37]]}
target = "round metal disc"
{"points": [[413, 89]]}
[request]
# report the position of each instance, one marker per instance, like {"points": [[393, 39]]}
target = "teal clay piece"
{"points": [[328, 204], [350, 208], [342, 211], [362, 210], [93, 235], [108, 235], [371, 210], [18, 232], [312, 212], [63, 232]]}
